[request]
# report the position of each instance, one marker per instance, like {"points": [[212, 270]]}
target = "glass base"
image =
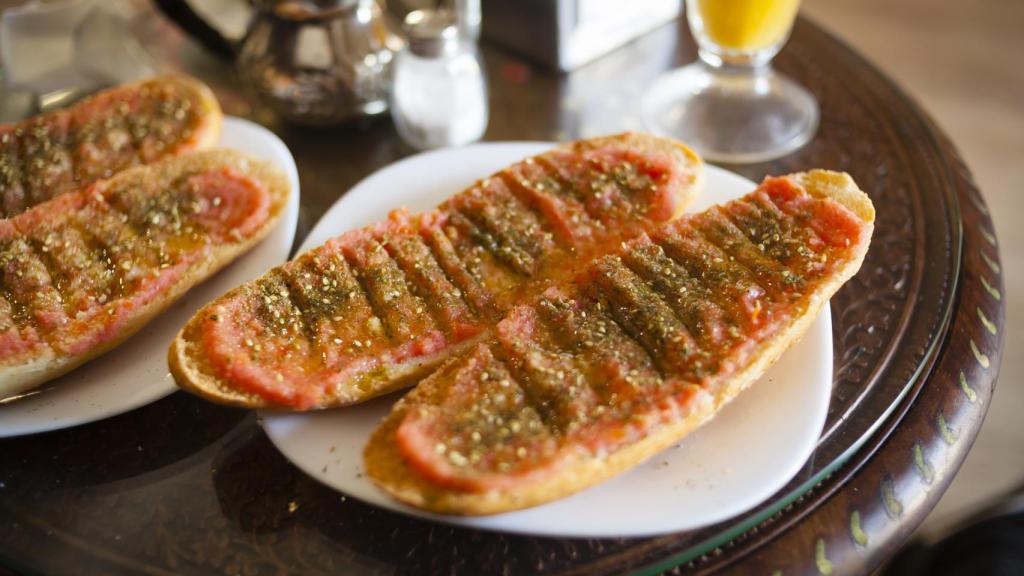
{"points": [[733, 115]]}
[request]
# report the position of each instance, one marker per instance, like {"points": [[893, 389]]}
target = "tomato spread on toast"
{"points": [[374, 307], [598, 371], [80, 271], [64, 150]]}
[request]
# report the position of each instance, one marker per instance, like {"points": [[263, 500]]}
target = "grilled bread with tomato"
{"points": [[83, 271], [599, 373], [376, 308], [64, 150]]}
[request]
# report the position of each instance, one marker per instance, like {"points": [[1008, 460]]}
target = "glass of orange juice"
{"points": [[730, 105]]}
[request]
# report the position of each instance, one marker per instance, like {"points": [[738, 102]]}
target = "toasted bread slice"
{"points": [[374, 309], [83, 272], [67, 149], [440, 448]]}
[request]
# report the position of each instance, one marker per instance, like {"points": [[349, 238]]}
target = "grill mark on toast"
{"points": [[459, 274], [564, 215], [507, 254], [165, 118], [497, 278], [553, 385], [277, 309], [333, 306], [140, 202], [778, 234], [614, 364], [403, 313], [431, 283], [612, 186], [644, 316], [692, 302], [352, 315], [160, 210], [720, 231], [710, 266], [305, 295], [117, 268], [515, 431], [485, 419], [558, 181], [495, 209]]}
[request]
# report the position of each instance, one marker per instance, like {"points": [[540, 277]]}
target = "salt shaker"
{"points": [[439, 96]]}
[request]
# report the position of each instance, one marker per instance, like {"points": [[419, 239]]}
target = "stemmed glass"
{"points": [[730, 105]]}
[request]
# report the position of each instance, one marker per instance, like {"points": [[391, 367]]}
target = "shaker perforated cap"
{"points": [[431, 33]]}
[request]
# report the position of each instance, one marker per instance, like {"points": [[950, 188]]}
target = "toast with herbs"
{"points": [[601, 372], [67, 149], [373, 309], [82, 272]]}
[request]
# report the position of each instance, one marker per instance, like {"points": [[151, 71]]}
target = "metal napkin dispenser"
{"points": [[566, 34]]}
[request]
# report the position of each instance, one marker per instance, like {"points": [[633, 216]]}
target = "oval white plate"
{"points": [[135, 373], [750, 450]]}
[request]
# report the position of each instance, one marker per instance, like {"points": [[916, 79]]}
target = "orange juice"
{"points": [[747, 25]]}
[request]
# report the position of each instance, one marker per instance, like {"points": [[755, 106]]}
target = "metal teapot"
{"points": [[312, 61]]}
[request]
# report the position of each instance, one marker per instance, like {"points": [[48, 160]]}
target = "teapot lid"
{"points": [[431, 33]]}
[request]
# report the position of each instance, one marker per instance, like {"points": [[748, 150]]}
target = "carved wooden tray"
{"points": [[182, 486]]}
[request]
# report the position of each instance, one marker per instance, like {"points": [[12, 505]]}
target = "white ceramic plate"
{"points": [[749, 451], [135, 373]]}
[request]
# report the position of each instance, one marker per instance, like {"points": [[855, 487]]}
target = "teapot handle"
{"points": [[182, 14]]}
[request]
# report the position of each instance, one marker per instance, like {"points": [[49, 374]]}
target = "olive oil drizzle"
{"points": [[29, 287], [78, 272]]}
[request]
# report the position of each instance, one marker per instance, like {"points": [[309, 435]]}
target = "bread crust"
{"points": [[388, 469], [26, 375], [209, 130], [190, 367]]}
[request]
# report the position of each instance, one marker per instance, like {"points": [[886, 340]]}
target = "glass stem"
{"points": [[728, 66]]}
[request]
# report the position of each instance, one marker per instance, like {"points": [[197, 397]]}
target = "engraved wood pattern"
{"points": [[182, 486]]}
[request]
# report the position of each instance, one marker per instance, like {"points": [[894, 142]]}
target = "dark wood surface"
{"points": [[182, 486]]}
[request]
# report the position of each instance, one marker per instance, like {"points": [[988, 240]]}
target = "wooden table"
{"points": [[183, 486]]}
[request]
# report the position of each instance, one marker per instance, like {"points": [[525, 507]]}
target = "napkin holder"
{"points": [[566, 34]]}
